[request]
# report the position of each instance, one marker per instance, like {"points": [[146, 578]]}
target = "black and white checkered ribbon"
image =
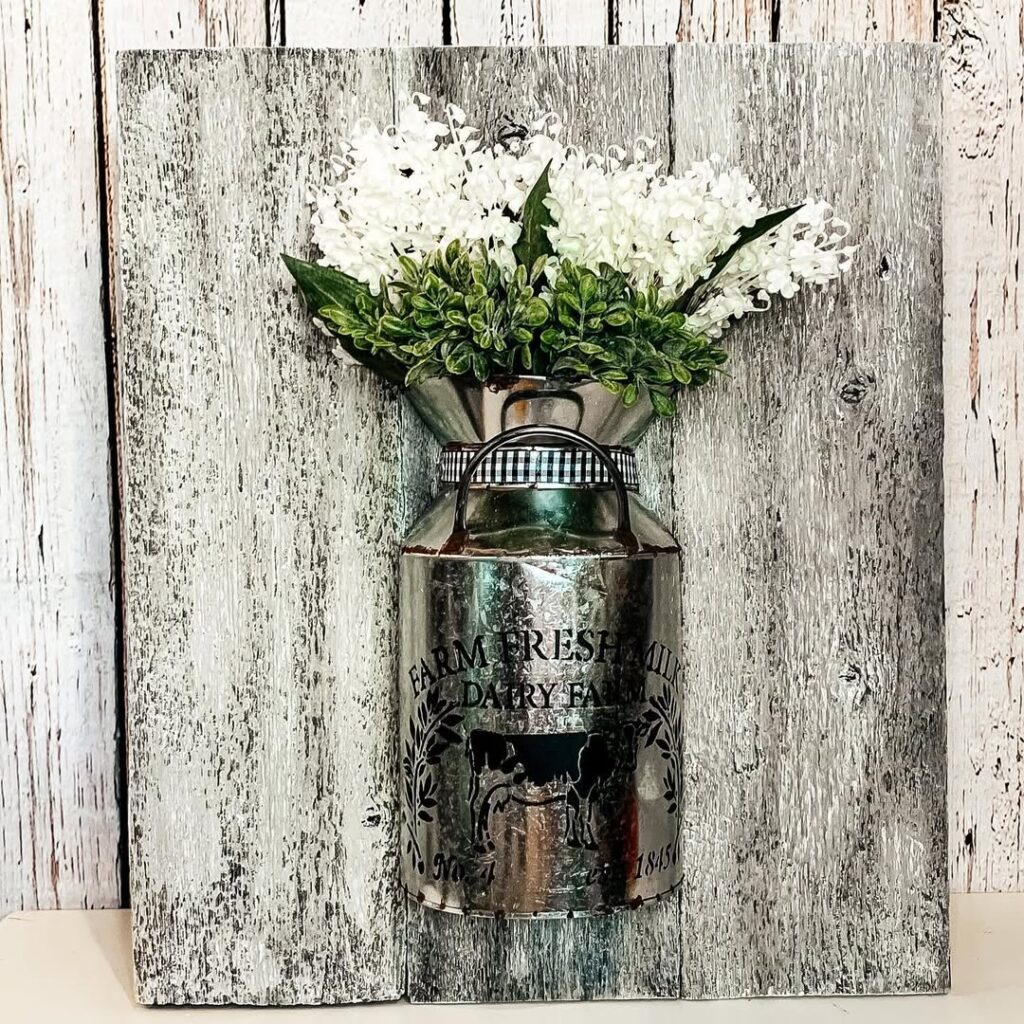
{"points": [[536, 464]]}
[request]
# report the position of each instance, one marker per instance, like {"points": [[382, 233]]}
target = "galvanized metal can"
{"points": [[541, 723]]}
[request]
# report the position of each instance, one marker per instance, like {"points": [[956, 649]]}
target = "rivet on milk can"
{"points": [[541, 719]]}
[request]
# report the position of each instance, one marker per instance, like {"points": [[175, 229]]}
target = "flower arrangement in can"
{"points": [[443, 255]]}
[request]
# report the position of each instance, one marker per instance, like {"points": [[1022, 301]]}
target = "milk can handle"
{"points": [[539, 432]]}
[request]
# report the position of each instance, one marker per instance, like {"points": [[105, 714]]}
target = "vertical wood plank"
{"points": [[528, 22], [984, 202], [693, 21], [129, 25], [606, 96], [58, 693], [363, 22], [808, 497], [260, 529], [814, 21]]}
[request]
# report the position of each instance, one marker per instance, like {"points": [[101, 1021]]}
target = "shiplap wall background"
{"points": [[61, 803]]}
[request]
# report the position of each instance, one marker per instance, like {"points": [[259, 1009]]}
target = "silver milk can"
{"points": [[539, 686]]}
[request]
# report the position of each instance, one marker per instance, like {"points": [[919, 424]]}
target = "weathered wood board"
{"points": [[983, 451], [984, 204], [808, 501], [264, 497], [59, 771], [539, 22], [261, 518]]}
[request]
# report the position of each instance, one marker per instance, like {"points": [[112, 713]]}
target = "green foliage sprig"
{"points": [[600, 326], [454, 313]]}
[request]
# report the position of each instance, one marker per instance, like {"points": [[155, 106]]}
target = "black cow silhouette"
{"points": [[534, 770]]}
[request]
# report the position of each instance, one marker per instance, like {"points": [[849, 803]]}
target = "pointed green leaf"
{"points": [[324, 288], [686, 301], [536, 219]]}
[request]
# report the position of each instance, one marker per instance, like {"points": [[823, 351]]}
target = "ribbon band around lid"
{"points": [[537, 465]]}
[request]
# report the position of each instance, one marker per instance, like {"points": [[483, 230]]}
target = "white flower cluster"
{"points": [[412, 188]]}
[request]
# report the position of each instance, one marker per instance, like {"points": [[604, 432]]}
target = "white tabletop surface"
{"points": [[74, 967]]}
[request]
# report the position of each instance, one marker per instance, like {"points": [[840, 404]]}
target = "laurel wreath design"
{"points": [[662, 726], [432, 730]]}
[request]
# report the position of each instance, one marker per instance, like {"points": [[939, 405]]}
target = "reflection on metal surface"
{"points": [[541, 732], [457, 409]]}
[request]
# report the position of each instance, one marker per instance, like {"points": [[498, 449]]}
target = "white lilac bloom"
{"points": [[412, 188]]}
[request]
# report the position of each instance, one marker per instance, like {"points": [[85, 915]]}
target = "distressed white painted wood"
{"points": [[808, 495], [59, 826], [607, 96], [986, 847], [984, 203], [983, 450], [528, 22], [264, 499], [363, 22], [816, 21], [696, 21], [261, 524], [128, 25]]}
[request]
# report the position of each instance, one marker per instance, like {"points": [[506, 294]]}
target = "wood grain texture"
{"points": [[607, 96], [815, 21], [982, 68], [129, 25], [816, 827], [275, 22], [59, 827], [808, 497], [171, 24], [984, 203], [528, 22], [363, 22], [261, 487], [695, 21]]}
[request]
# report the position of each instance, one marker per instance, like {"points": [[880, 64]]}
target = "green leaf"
{"points": [[421, 371], [344, 319], [395, 325], [664, 405], [571, 300], [536, 313], [588, 287], [325, 287], [745, 236], [458, 362], [535, 219]]}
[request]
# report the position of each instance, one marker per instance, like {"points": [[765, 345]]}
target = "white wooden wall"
{"points": [[60, 801]]}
